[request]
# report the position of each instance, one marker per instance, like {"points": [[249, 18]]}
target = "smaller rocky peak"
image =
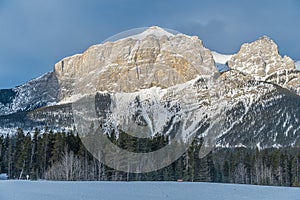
{"points": [[262, 47], [260, 59]]}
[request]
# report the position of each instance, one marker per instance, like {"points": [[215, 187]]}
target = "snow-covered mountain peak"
{"points": [[153, 30]]}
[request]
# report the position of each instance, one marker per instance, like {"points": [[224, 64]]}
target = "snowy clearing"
{"points": [[49, 190]]}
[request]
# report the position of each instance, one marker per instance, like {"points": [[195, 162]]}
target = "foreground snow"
{"points": [[44, 190]]}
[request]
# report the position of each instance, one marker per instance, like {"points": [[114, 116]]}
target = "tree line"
{"points": [[62, 156]]}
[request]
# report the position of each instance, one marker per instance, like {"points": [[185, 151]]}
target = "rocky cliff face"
{"points": [[130, 64]]}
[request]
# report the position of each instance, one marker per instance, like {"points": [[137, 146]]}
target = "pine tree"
{"points": [[59, 143], [1, 153], [295, 170]]}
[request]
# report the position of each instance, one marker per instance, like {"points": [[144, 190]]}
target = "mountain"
{"points": [[262, 60], [133, 63], [160, 82], [36, 93]]}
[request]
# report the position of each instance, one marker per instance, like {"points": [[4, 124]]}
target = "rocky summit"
{"points": [[262, 61], [152, 58], [158, 82]]}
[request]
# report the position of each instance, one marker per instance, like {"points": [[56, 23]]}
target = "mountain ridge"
{"points": [[187, 73]]}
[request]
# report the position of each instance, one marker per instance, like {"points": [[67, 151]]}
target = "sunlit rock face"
{"points": [[154, 58]]}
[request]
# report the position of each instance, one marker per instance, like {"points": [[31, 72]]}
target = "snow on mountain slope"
{"points": [[229, 103], [221, 58], [36, 93], [297, 65], [221, 61]]}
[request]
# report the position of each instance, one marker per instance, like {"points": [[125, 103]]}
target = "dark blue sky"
{"points": [[35, 34]]}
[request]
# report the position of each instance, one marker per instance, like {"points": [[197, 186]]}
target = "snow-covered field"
{"points": [[48, 190]]}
